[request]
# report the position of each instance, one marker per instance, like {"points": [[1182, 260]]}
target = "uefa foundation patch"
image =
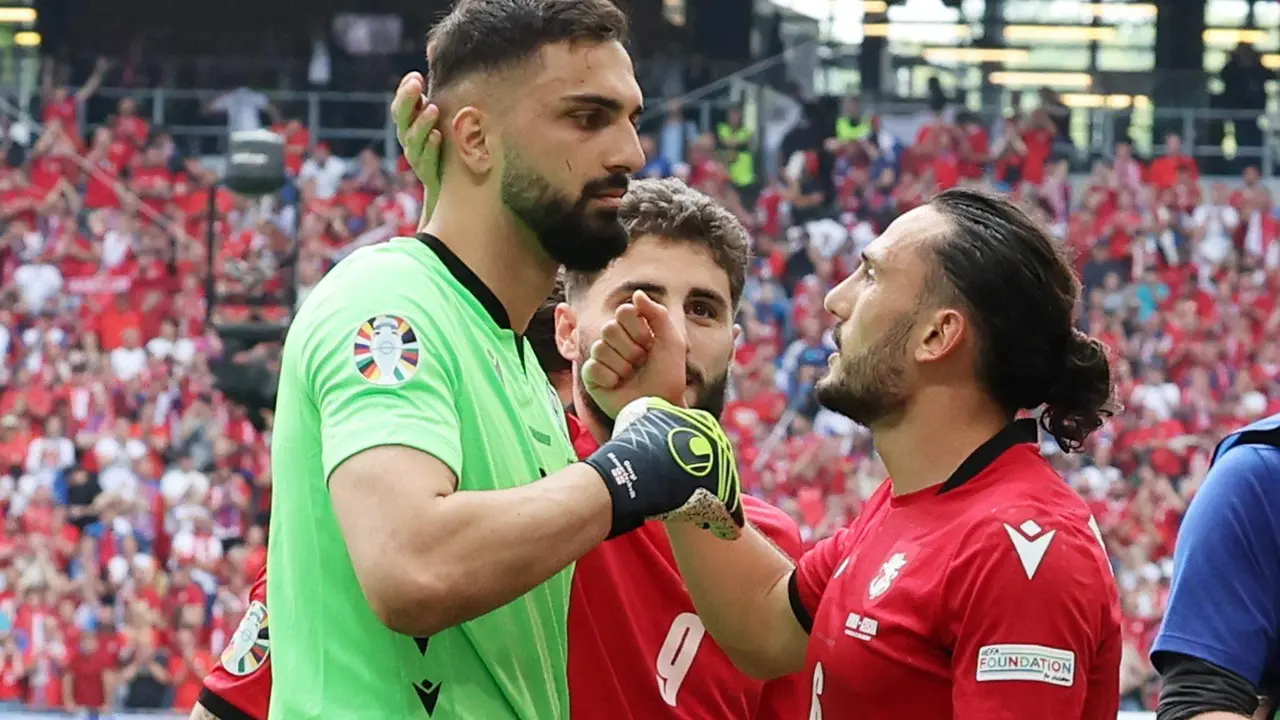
{"points": [[386, 350], [1033, 663]]}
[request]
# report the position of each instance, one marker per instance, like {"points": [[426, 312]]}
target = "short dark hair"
{"points": [[492, 35], [1020, 290], [541, 334], [670, 209]]}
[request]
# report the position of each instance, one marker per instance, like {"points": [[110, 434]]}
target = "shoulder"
{"points": [[1237, 505], [400, 268], [392, 287], [1036, 526], [1243, 469], [774, 524]]}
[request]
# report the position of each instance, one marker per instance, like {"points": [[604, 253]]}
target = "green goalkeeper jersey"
{"points": [[401, 344]]}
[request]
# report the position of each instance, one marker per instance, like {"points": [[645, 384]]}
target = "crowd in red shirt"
{"points": [[136, 497]]}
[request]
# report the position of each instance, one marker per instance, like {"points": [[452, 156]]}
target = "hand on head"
{"points": [[640, 353], [420, 141]]}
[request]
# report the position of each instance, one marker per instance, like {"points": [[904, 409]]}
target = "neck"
{"points": [[502, 251], [935, 435]]}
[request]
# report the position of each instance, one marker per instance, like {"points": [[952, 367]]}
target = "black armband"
{"points": [[797, 605], [1193, 686]]}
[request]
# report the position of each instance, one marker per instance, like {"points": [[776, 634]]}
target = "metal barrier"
{"points": [[350, 121]]}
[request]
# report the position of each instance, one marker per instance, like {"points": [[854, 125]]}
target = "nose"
{"points": [[626, 155], [839, 301]]}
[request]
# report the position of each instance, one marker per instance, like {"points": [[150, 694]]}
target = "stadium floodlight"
{"points": [[17, 15], [255, 168]]}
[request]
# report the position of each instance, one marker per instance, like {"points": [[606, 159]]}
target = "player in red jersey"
{"points": [[636, 646], [239, 686], [974, 585]]}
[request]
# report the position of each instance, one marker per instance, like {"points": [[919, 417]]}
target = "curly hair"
{"points": [[670, 209]]}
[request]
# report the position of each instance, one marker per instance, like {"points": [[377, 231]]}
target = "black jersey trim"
{"points": [[1015, 433], [222, 708], [468, 279], [797, 606], [474, 285]]}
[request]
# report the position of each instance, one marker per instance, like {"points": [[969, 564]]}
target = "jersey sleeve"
{"points": [[1226, 577], [1033, 614], [377, 366], [813, 571]]}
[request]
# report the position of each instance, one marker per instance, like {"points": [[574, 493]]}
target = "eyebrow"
{"points": [[657, 291], [602, 101]]}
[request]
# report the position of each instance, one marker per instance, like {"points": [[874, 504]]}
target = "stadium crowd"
{"points": [[136, 497]]}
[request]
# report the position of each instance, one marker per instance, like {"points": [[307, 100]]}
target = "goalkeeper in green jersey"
{"points": [[427, 508]]}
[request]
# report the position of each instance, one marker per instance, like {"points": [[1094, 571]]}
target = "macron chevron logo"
{"points": [[1031, 543]]}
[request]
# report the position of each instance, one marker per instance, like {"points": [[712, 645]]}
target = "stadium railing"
{"points": [[362, 118]]}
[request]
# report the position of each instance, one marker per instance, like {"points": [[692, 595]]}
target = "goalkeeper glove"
{"points": [[669, 463]]}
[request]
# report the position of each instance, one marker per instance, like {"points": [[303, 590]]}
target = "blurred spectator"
{"points": [[147, 680], [676, 135]]}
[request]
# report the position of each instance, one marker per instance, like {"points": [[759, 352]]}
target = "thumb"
{"points": [[655, 314]]}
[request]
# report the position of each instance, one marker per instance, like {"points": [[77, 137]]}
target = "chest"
{"points": [[511, 423], [880, 636]]}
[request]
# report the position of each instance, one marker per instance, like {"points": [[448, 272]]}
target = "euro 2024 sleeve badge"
{"points": [[386, 350], [249, 645]]}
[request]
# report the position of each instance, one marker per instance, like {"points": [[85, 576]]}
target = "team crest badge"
{"points": [[883, 579], [386, 350], [249, 645]]}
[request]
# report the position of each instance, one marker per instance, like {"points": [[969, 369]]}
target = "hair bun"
{"points": [[1082, 397]]}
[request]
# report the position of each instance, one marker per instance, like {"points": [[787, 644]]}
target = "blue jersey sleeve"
{"points": [[1226, 579]]}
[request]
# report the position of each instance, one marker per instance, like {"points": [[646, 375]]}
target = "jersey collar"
{"points": [[468, 279], [1015, 433]]}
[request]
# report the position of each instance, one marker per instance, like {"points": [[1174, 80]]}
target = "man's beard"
{"points": [[573, 233], [711, 397], [868, 388]]}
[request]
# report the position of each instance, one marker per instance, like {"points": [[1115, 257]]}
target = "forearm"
{"points": [[489, 547], [739, 589]]}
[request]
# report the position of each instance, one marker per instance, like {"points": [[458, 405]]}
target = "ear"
{"points": [[943, 335], [567, 332], [470, 135], [737, 334]]}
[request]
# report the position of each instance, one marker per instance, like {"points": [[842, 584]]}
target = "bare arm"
{"points": [[94, 82], [428, 557], [740, 590]]}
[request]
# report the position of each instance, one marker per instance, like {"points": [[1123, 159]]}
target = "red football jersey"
{"points": [[239, 687], [636, 646], [990, 597]]}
